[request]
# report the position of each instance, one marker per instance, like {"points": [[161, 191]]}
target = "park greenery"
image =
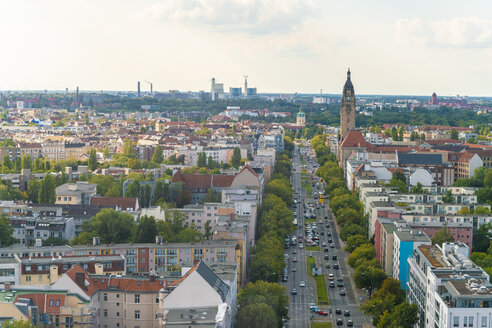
{"points": [[368, 273]]}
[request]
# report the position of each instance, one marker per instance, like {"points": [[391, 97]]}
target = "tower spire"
{"points": [[348, 74]]}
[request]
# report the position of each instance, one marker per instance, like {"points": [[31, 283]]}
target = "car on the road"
{"points": [[326, 250], [338, 311], [335, 266], [294, 252], [340, 282], [327, 265], [302, 284], [330, 276], [332, 245], [334, 258], [323, 244], [293, 291], [323, 313], [294, 269], [339, 322], [301, 246], [327, 225], [349, 323], [330, 240], [294, 259], [346, 313], [284, 278], [332, 284], [327, 257], [342, 292], [322, 233]]}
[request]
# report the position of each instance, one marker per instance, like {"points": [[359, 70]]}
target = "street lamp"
{"points": [[370, 279]]}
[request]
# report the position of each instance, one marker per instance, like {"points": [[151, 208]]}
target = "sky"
{"points": [[391, 46]]}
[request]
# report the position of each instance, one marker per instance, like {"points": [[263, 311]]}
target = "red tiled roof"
{"points": [[121, 202], [247, 167], [355, 139], [443, 142]]}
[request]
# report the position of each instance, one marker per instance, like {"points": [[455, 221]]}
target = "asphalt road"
{"points": [[299, 311]]}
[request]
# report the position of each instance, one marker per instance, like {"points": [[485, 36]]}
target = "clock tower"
{"points": [[347, 109]]}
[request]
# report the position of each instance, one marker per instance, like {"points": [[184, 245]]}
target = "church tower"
{"points": [[347, 109]]}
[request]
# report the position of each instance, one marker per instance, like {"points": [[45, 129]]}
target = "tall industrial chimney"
{"points": [[245, 87], [212, 91], [138, 89]]}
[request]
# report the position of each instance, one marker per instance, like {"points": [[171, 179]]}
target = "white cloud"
{"points": [[456, 32], [248, 16]]}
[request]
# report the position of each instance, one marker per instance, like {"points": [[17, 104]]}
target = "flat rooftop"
{"points": [[433, 255]]}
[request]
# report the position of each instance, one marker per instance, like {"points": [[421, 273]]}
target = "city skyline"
{"points": [[284, 47]]}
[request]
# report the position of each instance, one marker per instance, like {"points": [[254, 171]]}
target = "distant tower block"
{"points": [[347, 109], [434, 99]]}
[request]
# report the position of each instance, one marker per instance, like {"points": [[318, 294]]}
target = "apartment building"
{"points": [[28, 229], [140, 258], [405, 240], [79, 192], [448, 288]]}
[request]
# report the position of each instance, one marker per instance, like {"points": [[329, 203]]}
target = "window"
{"points": [[28, 268], [105, 312], [51, 303], [28, 278], [137, 298], [117, 314], [105, 297], [40, 277], [142, 251], [137, 314], [117, 303], [157, 299], [57, 303], [484, 321], [117, 325], [117, 295], [456, 321], [142, 260], [470, 321]]}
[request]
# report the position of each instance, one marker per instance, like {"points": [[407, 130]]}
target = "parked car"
{"points": [[349, 323], [293, 291], [342, 292], [346, 313], [323, 313]]}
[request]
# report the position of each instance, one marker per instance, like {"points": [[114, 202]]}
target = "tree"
{"points": [[236, 157], [481, 210], [26, 162], [257, 315], [362, 253], [212, 196], [47, 190], [133, 189], [345, 201], [208, 231], [106, 151], [481, 240], [6, 164], [146, 230], [92, 163], [448, 197], [355, 241], [417, 189], [6, 232], [385, 299], [202, 160], [369, 277], [157, 157], [33, 190], [16, 324], [271, 294], [348, 215], [110, 226], [128, 149], [404, 315], [282, 188], [442, 236], [454, 135], [351, 230]]}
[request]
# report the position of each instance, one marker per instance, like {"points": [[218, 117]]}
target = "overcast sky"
{"points": [[391, 46]]}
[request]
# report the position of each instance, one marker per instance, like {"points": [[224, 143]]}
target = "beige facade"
{"points": [[128, 309]]}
